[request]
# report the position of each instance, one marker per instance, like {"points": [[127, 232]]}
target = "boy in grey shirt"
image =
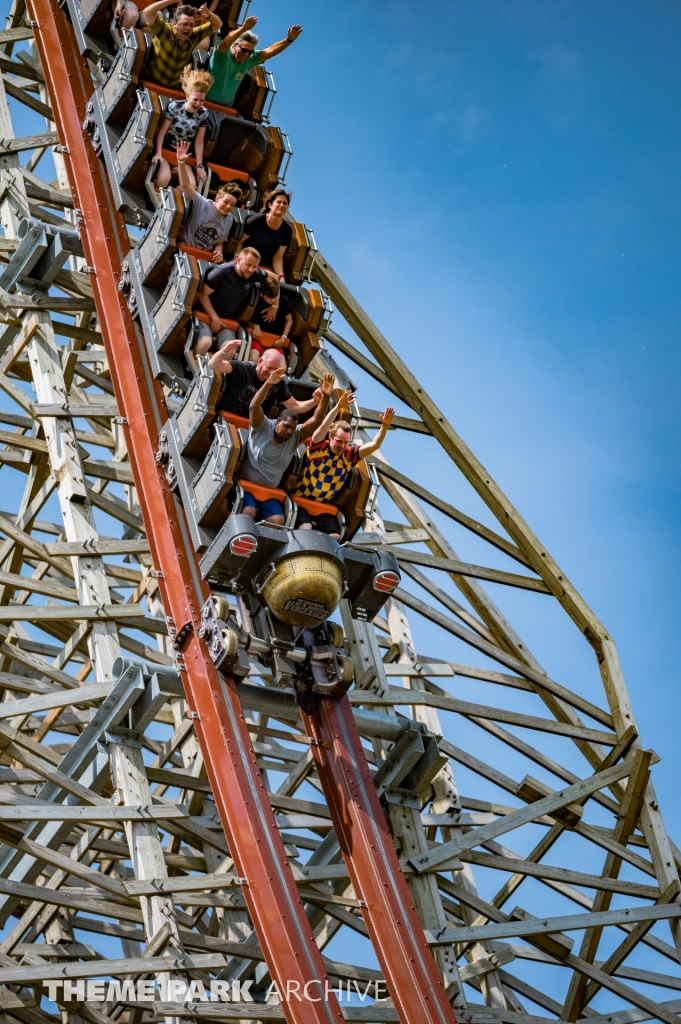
{"points": [[211, 219], [272, 445]]}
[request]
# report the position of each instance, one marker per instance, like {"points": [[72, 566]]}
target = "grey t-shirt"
{"points": [[206, 227], [266, 460]]}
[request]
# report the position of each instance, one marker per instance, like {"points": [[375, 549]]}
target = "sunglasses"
{"points": [[243, 49]]}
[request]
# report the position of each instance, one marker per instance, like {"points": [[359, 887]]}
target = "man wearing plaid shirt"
{"points": [[329, 457], [173, 45]]}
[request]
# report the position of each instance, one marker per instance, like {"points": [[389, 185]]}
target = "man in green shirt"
{"points": [[236, 55]]}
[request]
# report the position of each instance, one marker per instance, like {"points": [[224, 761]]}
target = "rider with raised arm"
{"points": [[236, 54], [173, 44], [242, 380], [211, 220], [329, 457], [272, 445]]}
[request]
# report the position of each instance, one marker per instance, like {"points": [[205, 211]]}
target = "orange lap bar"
{"points": [[177, 94], [227, 173], [263, 493], [315, 508], [203, 317], [238, 421]]}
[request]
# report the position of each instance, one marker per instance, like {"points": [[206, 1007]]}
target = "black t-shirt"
{"points": [[275, 326], [264, 239], [240, 386], [229, 288]]}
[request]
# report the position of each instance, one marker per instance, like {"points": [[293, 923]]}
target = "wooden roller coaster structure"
{"points": [[143, 834]]}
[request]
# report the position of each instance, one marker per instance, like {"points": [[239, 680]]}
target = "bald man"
{"points": [[242, 382]]}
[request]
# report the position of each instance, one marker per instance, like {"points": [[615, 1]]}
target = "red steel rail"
{"points": [[271, 895], [370, 857], [276, 910]]}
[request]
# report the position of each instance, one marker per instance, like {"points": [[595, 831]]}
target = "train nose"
{"points": [[304, 588]]}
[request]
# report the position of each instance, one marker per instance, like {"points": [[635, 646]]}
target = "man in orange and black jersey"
{"points": [[329, 457]]}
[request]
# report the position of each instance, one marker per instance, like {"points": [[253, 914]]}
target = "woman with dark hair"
{"points": [[269, 233]]}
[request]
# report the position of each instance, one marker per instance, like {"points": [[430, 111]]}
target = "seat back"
{"points": [[194, 417], [132, 152], [156, 248], [117, 91], [170, 315], [311, 317], [356, 497], [240, 144], [301, 254], [255, 95]]}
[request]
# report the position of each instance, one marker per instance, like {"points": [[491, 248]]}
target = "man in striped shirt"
{"points": [[173, 44]]}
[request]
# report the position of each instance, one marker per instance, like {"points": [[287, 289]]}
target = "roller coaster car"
{"points": [[233, 141], [298, 575]]}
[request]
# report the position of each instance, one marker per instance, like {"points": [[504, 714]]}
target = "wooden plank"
{"points": [[545, 926], [399, 695], [87, 694], [28, 142], [384, 469], [75, 409], [189, 883], [558, 874], [117, 471], [68, 812], [130, 965], [69, 613], [266, 1011], [400, 422], [98, 547], [15, 35], [25, 97], [478, 572], [573, 794]]}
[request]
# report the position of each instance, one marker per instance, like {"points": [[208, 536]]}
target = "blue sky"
{"points": [[497, 183]]}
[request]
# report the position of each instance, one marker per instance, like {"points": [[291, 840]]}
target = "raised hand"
{"points": [[230, 347], [182, 151], [386, 418], [294, 32], [276, 375], [327, 383], [249, 23], [202, 13], [346, 399]]}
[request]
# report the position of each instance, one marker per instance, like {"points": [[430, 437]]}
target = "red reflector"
{"points": [[386, 581], [243, 545]]}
